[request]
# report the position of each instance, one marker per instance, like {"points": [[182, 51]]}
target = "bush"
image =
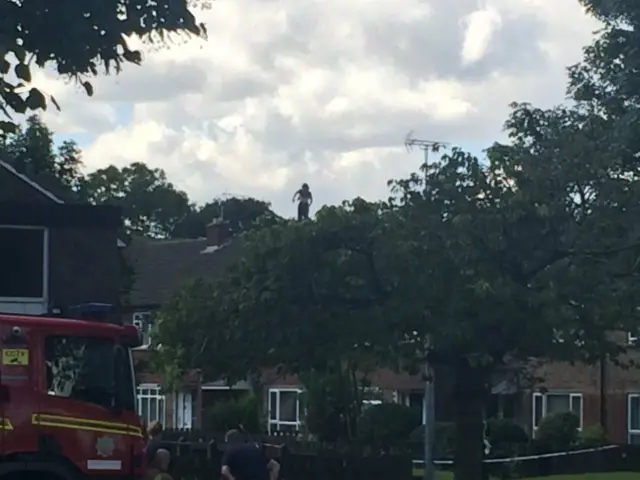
{"points": [[388, 423], [506, 437], [558, 432], [230, 414], [501, 431], [592, 436], [445, 437]]}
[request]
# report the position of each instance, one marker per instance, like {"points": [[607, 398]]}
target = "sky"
{"points": [[322, 91]]}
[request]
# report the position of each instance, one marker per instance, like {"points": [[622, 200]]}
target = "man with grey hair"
{"points": [[159, 465], [246, 461]]}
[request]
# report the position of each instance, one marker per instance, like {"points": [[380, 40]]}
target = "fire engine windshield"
{"points": [[88, 369]]}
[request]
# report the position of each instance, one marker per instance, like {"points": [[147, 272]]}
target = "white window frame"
{"points": [[275, 423], [544, 397], [631, 431], [372, 392], [156, 396], [183, 409], [45, 266], [141, 322]]}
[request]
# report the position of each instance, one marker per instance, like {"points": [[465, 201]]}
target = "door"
{"points": [[80, 406], [184, 412]]}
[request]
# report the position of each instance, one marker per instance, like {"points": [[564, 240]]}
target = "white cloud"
{"points": [[324, 91], [480, 26]]}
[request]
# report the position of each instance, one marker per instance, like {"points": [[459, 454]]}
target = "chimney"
{"points": [[217, 233]]}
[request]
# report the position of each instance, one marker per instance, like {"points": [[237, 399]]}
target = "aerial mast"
{"points": [[425, 145], [428, 410]]}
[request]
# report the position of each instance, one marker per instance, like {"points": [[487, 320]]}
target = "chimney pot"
{"points": [[217, 233]]}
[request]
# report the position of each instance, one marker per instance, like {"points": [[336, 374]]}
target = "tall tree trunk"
{"points": [[469, 399]]}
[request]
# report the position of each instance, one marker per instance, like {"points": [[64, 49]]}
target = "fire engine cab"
{"points": [[67, 397]]}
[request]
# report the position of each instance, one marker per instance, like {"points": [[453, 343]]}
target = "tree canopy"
{"points": [[78, 39], [473, 264], [30, 149], [152, 205]]}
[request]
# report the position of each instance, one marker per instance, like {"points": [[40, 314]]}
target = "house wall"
{"points": [[84, 266], [586, 380], [84, 262]]}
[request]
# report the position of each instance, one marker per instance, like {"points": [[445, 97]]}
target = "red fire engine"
{"points": [[67, 398]]}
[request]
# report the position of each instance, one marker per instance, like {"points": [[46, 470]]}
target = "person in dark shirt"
{"points": [[158, 468], [305, 199], [246, 461], [155, 438]]}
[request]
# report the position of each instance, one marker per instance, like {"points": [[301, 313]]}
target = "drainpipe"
{"points": [[603, 391]]}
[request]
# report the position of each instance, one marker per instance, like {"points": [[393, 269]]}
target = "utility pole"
{"points": [[428, 408]]}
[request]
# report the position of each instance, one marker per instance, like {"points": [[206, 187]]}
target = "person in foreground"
{"points": [[158, 468], [155, 438], [246, 461]]}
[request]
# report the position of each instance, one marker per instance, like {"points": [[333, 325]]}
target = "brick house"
{"points": [[58, 254], [160, 268], [603, 394]]}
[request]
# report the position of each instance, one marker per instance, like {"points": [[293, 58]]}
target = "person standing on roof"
{"points": [[305, 199]]}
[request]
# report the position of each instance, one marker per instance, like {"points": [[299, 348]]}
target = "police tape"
{"points": [[526, 457]]}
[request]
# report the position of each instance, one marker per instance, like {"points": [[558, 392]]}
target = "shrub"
{"points": [[592, 436], [558, 432], [503, 431], [506, 437], [445, 436], [388, 423], [228, 414]]}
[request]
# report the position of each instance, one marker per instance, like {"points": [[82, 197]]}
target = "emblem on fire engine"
{"points": [[105, 446]]}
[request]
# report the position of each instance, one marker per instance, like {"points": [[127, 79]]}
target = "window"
{"points": [[82, 369], [185, 409], [371, 396], [549, 403], [414, 399], [151, 407], [144, 322], [23, 254], [633, 419], [284, 409]]}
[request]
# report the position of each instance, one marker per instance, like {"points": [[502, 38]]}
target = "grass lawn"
{"points": [[588, 476]]}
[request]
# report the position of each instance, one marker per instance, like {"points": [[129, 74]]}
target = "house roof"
{"points": [[33, 184], [161, 267], [48, 186]]}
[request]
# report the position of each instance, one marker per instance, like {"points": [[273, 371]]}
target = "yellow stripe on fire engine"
{"points": [[5, 424], [78, 423]]}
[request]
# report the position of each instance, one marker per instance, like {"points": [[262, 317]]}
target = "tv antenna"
{"points": [[425, 145], [222, 199]]}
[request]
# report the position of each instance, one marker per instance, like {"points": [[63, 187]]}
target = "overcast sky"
{"points": [[323, 92]]}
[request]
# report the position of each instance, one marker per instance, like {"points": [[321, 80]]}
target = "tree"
{"points": [[529, 249], [78, 39], [531, 252], [242, 214], [31, 150], [151, 205]]}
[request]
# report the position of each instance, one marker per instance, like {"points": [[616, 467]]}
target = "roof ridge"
{"points": [[30, 182]]}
